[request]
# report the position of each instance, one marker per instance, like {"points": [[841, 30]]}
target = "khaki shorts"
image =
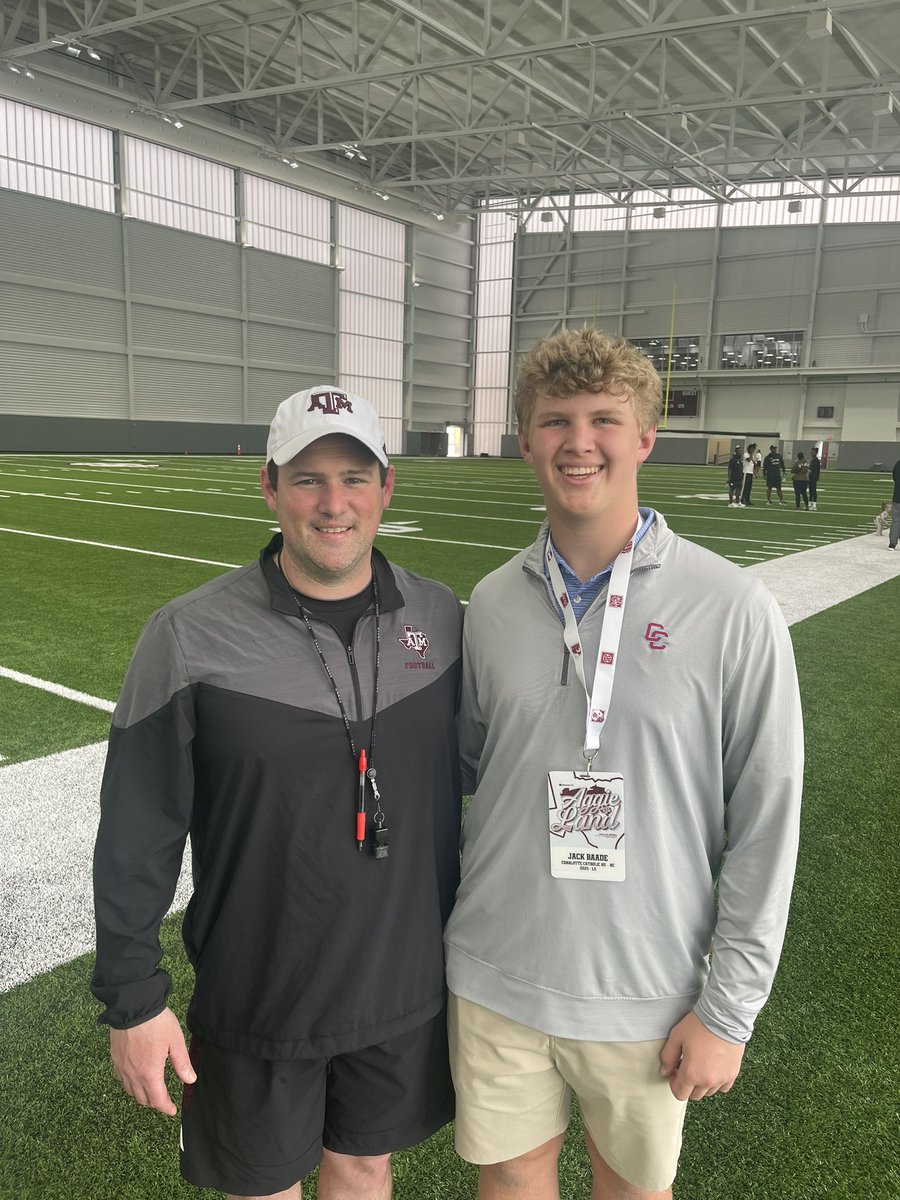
{"points": [[514, 1089]]}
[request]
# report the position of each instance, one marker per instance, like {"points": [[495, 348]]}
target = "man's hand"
{"points": [[698, 1063], [139, 1059]]}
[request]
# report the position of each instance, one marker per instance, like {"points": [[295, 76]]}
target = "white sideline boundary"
{"points": [[49, 811], [49, 807]]}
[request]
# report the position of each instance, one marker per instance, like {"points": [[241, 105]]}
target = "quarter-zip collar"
{"points": [[646, 552], [282, 598]]}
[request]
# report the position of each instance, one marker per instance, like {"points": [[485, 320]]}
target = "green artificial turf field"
{"points": [[815, 1111]]}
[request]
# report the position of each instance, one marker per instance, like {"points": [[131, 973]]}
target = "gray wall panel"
{"points": [[82, 435], [267, 387], [187, 391], [765, 275], [184, 267], [74, 284], [443, 248], [841, 352], [650, 250], [53, 240], [869, 456], [440, 330], [288, 288], [50, 314], [758, 314], [886, 350], [287, 346], [57, 381], [190, 332]]}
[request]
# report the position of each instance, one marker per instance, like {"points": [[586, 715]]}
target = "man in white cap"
{"points": [[295, 717]]}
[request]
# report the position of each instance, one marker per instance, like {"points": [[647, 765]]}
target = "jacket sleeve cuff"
{"points": [[134, 1003]]}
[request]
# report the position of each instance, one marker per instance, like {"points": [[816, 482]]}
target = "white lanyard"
{"points": [[599, 697]]}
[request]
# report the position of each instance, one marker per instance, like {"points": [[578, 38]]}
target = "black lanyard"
{"points": [[365, 765]]}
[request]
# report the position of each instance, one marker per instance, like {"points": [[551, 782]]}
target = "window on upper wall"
{"points": [[761, 351], [286, 220], [183, 191], [685, 352], [45, 154], [876, 198]]}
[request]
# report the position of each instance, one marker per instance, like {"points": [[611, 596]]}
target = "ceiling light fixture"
{"points": [[659, 212], [16, 69], [74, 47]]}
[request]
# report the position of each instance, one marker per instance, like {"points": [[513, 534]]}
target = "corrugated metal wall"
{"points": [[440, 328], [838, 286], [106, 317]]}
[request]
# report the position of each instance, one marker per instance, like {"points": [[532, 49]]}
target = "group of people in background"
{"points": [[744, 467]]}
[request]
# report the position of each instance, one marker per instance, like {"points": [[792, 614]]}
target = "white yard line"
{"points": [[55, 537], [57, 689], [160, 508]]}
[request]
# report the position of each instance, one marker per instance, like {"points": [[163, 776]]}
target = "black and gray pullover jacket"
{"points": [[227, 729]]}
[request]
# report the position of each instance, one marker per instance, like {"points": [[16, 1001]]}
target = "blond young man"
{"points": [[616, 738]]}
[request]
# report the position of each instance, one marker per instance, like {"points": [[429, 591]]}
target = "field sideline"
{"points": [[92, 548]]}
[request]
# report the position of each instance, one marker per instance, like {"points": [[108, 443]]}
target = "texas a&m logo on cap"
{"points": [[330, 403], [415, 640]]}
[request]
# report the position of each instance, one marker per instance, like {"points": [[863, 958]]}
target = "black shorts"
{"points": [[253, 1127]]}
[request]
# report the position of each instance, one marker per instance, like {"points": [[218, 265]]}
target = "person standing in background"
{"points": [[749, 467], [800, 477], [815, 469], [735, 479], [773, 470], [895, 508]]}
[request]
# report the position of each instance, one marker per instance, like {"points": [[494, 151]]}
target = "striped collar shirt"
{"points": [[583, 595]]}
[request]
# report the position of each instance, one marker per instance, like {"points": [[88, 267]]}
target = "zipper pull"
{"points": [[350, 658]]}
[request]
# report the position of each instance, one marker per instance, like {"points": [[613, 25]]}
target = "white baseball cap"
{"points": [[314, 413]]}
